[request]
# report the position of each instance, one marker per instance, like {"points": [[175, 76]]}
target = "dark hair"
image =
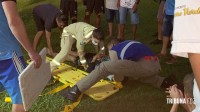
{"points": [[62, 18], [98, 34]]}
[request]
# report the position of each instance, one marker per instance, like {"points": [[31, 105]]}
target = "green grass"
{"points": [[135, 96]]}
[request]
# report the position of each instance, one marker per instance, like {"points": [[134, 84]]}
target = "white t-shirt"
{"points": [[127, 3], [111, 4], [196, 94], [186, 32]]}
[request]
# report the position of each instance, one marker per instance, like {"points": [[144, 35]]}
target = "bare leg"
{"points": [[87, 17], [121, 32], [18, 108], [110, 28], [164, 46], [195, 63], [97, 21], [134, 28], [159, 30], [118, 34]]}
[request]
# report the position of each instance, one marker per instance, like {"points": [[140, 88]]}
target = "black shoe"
{"points": [[71, 94], [156, 41], [169, 81]]}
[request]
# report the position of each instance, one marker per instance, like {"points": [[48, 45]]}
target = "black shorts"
{"points": [[96, 5], [69, 7], [39, 22]]}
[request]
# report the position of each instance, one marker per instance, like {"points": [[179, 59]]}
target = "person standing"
{"points": [[94, 5], [69, 7], [12, 32], [131, 7], [186, 41], [112, 13]]}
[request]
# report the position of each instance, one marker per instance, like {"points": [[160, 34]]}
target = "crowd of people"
{"points": [[178, 21]]}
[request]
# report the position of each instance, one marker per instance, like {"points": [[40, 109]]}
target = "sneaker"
{"points": [[71, 94], [156, 41]]}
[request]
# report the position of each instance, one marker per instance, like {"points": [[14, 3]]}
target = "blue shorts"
{"points": [[168, 22], [123, 13], [111, 15], [9, 79]]}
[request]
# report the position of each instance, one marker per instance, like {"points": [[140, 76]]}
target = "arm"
{"points": [[81, 53], [175, 93], [48, 38], [174, 108], [135, 6], [82, 59], [100, 49], [18, 29], [161, 11]]}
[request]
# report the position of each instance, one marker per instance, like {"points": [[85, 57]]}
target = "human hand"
{"points": [[135, 6], [174, 92], [98, 57], [36, 58]]}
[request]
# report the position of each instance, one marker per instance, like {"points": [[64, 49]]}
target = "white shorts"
{"points": [[186, 35], [183, 48]]}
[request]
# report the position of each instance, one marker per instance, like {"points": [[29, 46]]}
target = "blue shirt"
{"points": [[132, 50], [170, 6], [8, 43]]}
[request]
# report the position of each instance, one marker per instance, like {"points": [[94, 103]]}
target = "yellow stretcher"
{"points": [[101, 90]]}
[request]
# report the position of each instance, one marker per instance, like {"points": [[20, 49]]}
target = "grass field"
{"points": [[135, 96]]}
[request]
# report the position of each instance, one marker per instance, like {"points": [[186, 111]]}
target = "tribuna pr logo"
{"points": [[180, 101]]}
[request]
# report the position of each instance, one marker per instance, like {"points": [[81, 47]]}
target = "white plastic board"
{"points": [[32, 81]]}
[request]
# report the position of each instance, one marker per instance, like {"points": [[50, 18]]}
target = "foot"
{"points": [[156, 41], [161, 55], [71, 94], [171, 61]]}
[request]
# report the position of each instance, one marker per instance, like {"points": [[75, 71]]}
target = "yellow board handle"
{"points": [[8, 100]]}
